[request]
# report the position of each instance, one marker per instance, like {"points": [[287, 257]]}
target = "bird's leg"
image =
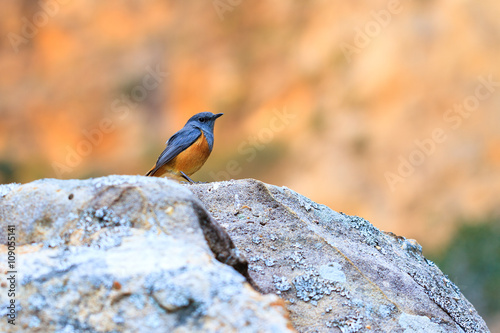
{"points": [[187, 178]]}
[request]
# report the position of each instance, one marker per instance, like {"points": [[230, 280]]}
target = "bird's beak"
{"points": [[217, 115]]}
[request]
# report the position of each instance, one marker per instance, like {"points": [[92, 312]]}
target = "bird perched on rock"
{"points": [[188, 149]]}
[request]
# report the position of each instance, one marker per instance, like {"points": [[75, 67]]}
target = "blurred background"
{"points": [[384, 109]]}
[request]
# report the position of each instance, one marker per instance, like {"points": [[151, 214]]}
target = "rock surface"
{"points": [[336, 272], [137, 254], [125, 254]]}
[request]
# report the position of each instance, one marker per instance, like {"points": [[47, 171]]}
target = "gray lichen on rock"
{"points": [[418, 324], [281, 283], [310, 286]]}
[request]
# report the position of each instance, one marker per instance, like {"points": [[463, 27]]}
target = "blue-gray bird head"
{"points": [[204, 121]]}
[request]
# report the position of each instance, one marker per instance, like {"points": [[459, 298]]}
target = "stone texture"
{"points": [[335, 272], [137, 254], [126, 254]]}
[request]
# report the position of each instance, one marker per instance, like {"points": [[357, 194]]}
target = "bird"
{"points": [[188, 149]]}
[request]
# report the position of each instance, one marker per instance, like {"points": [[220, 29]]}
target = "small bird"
{"points": [[188, 149]]}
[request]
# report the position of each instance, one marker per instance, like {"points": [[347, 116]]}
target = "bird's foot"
{"points": [[186, 177]]}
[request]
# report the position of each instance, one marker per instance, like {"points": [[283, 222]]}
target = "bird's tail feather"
{"points": [[152, 171]]}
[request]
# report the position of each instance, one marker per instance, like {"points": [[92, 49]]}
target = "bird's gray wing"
{"points": [[179, 142]]}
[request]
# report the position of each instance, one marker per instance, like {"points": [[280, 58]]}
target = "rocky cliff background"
{"points": [[90, 88]]}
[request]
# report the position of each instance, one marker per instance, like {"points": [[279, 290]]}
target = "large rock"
{"points": [[137, 254], [336, 272], [124, 254]]}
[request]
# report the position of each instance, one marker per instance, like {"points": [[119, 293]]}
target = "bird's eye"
{"points": [[202, 120]]}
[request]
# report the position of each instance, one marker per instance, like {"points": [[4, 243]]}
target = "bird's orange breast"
{"points": [[191, 159]]}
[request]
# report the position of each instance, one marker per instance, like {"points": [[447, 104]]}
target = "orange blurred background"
{"points": [[384, 109]]}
